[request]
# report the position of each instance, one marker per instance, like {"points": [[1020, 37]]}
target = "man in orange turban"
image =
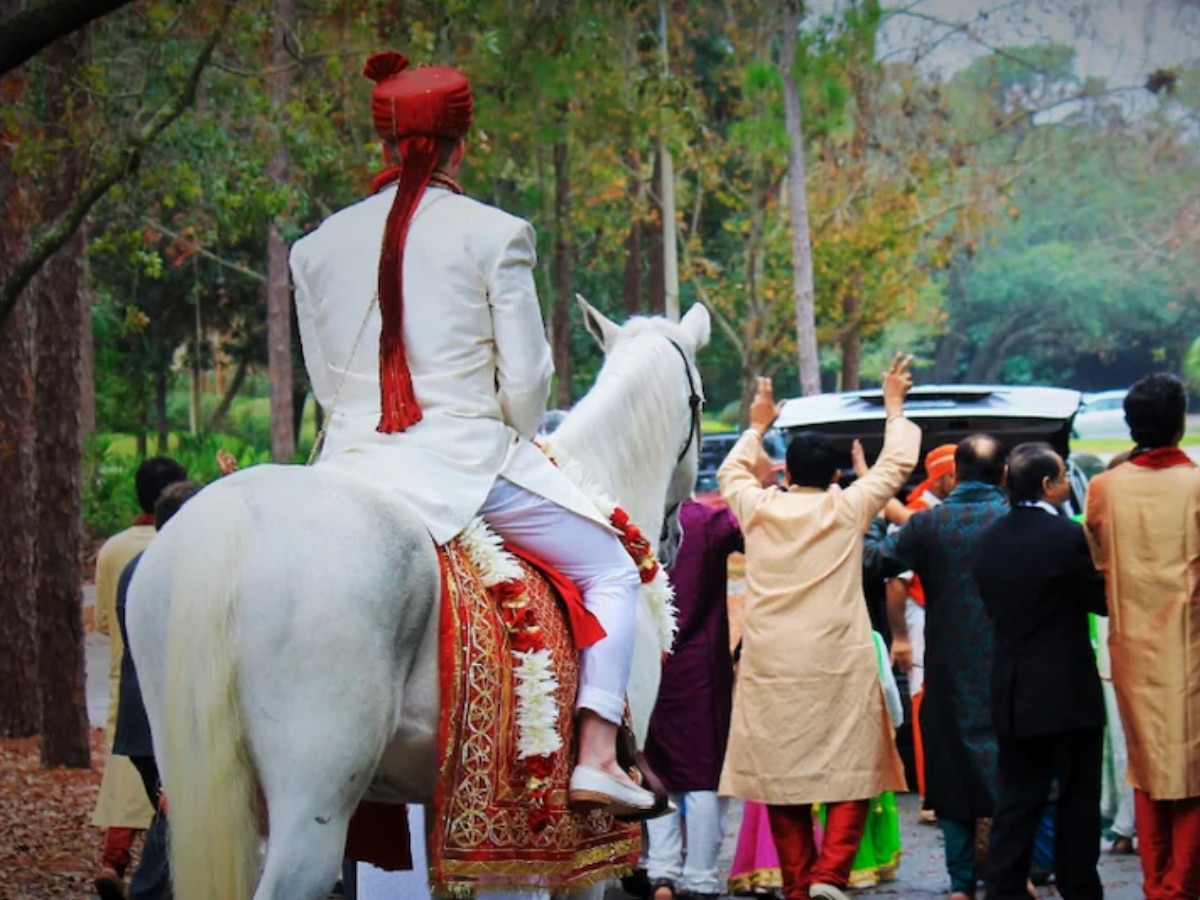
{"points": [[424, 343]]}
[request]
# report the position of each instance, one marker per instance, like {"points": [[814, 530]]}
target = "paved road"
{"points": [[922, 873]]}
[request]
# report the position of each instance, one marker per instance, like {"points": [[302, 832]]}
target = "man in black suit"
{"points": [[152, 879], [1038, 584]]}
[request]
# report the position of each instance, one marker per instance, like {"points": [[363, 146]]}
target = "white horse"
{"points": [[285, 623]]}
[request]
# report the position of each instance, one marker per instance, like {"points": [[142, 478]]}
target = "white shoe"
{"points": [[827, 892], [592, 789]]}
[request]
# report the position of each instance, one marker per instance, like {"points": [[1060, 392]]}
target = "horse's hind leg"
{"points": [[311, 791], [315, 769], [316, 751], [304, 853]]}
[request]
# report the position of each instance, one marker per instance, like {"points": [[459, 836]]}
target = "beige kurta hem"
{"points": [[122, 802], [810, 722], [1144, 528]]}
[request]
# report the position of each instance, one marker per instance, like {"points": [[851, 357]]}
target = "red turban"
{"points": [[414, 111], [940, 461]]}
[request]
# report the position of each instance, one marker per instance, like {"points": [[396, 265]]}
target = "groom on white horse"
{"points": [[462, 377]]}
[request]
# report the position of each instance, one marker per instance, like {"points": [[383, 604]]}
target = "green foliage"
{"points": [[111, 462], [950, 216]]}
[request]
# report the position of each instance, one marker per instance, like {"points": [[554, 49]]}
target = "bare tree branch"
{"points": [[110, 173], [201, 250], [23, 35]]}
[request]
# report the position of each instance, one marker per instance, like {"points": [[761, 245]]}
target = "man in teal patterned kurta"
{"points": [[960, 748]]}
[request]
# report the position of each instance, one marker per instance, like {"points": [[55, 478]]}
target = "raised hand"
{"points": [[897, 381], [764, 410], [858, 458]]}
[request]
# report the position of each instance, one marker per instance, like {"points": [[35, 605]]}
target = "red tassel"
{"points": [[398, 402]]}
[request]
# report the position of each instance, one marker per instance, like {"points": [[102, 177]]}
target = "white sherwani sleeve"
{"points": [[306, 319], [523, 362]]}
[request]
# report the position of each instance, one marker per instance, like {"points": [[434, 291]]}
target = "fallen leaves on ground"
{"points": [[49, 849]]}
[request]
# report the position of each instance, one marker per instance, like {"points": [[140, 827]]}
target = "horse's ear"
{"points": [[698, 324], [602, 328]]}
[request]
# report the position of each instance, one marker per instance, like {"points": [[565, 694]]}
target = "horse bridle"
{"points": [[696, 408], [695, 404]]}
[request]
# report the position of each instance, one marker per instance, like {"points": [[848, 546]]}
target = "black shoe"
{"points": [[110, 886], [636, 884]]}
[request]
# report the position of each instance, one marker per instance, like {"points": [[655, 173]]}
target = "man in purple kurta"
{"points": [[690, 724]]}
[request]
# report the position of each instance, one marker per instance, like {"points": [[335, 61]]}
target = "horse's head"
{"points": [[662, 353]]}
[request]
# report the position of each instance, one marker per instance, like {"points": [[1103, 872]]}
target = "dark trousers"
{"points": [[1028, 768], [959, 840], [152, 880]]}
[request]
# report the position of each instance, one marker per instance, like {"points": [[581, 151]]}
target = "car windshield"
{"points": [[706, 481]]}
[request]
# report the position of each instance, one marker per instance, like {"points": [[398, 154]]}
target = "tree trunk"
{"points": [[162, 425], [57, 296], [802, 267], [279, 295], [23, 34], [196, 357], [633, 244], [945, 364], [657, 286], [670, 245], [87, 373], [20, 706], [851, 344], [231, 391], [560, 321], [299, 399]]}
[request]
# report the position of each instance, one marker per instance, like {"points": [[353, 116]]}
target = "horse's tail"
{"points": [[210, 781]]}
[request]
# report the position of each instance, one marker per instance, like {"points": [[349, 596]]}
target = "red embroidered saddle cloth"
{"points": [[491, 827]]}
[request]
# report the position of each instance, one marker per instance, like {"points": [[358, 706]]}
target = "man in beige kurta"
{"points": [[122, 807], [1143, 522], [810, 724]]}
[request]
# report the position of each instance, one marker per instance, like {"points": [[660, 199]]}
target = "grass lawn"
{"points": [[1116, 445]]}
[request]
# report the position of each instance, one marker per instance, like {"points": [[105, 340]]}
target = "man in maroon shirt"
{"points": [[690, 724]]}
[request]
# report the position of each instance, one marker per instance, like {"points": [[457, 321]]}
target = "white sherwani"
{"points": [[476, 348]]}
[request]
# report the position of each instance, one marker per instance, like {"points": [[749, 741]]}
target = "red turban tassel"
{"points": [[419, 155]]}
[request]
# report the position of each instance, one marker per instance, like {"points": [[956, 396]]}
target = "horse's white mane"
{"points": [[635, 416]]}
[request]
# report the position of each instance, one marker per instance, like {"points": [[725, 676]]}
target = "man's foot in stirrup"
{"points": [[598, 781], [614, 792]]}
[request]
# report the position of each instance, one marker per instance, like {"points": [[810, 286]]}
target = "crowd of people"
{"points": [[995, 600], [1051, 659]]}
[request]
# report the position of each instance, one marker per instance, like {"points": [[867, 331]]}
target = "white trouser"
{"points": [[1116, 796], [602, 570], [703, 813], [914, 620]]}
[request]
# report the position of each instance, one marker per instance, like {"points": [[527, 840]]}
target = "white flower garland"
{"points": [[537, 706]]}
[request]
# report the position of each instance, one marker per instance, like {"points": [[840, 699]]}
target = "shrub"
{"points": [[110, 465]]}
